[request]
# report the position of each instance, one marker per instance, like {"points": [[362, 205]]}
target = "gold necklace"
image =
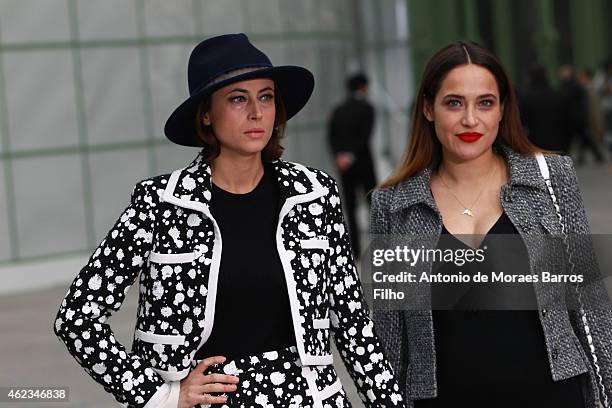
{"points": [[468, 210]]}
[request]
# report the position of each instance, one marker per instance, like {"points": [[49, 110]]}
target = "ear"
{"points": [[427, 111], [206, 119]]}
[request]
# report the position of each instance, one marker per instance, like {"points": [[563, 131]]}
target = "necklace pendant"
{"points": [[467, 211]]}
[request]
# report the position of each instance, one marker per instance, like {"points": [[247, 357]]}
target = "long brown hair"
{"points": [[424, 148], [205, 136]]}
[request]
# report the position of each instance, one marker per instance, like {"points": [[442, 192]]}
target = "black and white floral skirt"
{"points": [[278, 379]]}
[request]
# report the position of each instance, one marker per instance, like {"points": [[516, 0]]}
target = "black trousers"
{"points": [[586, 142], [360, 174]]}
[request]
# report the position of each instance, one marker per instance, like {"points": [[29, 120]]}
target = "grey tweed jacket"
{"points": [[409, 209]]}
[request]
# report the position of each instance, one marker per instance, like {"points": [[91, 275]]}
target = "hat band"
{"points": [[231, 74]]}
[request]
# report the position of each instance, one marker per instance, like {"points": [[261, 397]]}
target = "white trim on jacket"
{"points": [[213, 277], [285, 257], [209, 314]]}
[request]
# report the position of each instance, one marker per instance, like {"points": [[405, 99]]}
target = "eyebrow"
{"points": [[268, 88], [489, 95]]}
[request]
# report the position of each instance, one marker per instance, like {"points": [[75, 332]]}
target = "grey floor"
{"points": [[31, 355]]}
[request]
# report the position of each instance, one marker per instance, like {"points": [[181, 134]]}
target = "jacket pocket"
{"points": [[184, 257], [165, 272], [165, 354], [149, 337], [311, 272], [320, 323], [314, 243], [324, 384]]}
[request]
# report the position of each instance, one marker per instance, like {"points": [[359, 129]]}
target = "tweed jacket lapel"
{"points": [[524, 181], [523, 171]]}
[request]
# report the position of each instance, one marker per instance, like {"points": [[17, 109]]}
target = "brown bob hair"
{"points": [[424, 148], [205, 135]]}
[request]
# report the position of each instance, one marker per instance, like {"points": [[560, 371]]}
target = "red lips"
{"points": [[469, 137], [255, 132]]}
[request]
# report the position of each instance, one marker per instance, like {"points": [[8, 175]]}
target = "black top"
{"points": [[350, 127], [494, 357], [252, 313]]}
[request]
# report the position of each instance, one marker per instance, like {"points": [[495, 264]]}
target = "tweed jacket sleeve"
{"points": [[592, 292], [99, 290], [389, 323], [351, 325]]}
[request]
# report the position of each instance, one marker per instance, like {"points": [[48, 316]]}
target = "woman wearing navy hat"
{"points": [[244, 261]]}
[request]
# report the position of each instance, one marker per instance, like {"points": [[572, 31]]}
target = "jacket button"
{"points": [[544, 312], [507, 196], [555, 353]]}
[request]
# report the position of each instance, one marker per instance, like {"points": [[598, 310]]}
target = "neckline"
{"points": [[484, 236], [257, 187]]}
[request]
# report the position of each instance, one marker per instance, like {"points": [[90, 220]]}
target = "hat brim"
{"points": [[295, 85]]}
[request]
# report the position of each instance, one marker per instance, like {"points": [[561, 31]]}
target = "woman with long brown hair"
{"points": [[469, 169]]}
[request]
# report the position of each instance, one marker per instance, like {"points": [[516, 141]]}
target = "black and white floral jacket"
{"points": [[168, 238]]}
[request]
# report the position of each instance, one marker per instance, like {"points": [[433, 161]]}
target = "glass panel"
{"points": [[4, 225], [172, 156], [40, 94], [266, 16], [302, 15], [108, 19], [222, 16], [113, 176], [164, 18], [113, 95], [50, 210], [168, 71], [21, 23], [397, 77]]}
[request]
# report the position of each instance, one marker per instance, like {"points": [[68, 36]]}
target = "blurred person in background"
{"points": [[349, 134], [240, 257], [594, 109], [603, 84], [578, 102], [544, 112], [470, 169]]}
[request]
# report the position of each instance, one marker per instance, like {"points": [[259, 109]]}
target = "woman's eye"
{"points": [[487, 103], [453, 103], [267, 97], [237, 99]]}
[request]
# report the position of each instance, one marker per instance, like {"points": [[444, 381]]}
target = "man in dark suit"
{"points": [[545, 112], [349, 133], [578, 101]]}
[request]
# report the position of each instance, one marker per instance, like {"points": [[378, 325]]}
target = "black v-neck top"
{"points": [[504, 251], [252, 313], [486, 356]]}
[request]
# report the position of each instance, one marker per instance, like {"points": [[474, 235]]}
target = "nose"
{"points": [[469, 119], [255, 112]]}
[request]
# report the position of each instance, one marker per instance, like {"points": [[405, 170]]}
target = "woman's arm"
{"points": [[351, 325], [99, 290], [593, 294], [389, 323]]}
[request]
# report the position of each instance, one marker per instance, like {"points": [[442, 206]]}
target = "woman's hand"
{"points": [[344, 161], [196, 388]]}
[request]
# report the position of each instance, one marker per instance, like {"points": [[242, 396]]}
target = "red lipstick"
{"points": [[254, 133], [469, 137]]}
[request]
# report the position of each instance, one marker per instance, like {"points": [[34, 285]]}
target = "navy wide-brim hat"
{"points": [[225, 59]]}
